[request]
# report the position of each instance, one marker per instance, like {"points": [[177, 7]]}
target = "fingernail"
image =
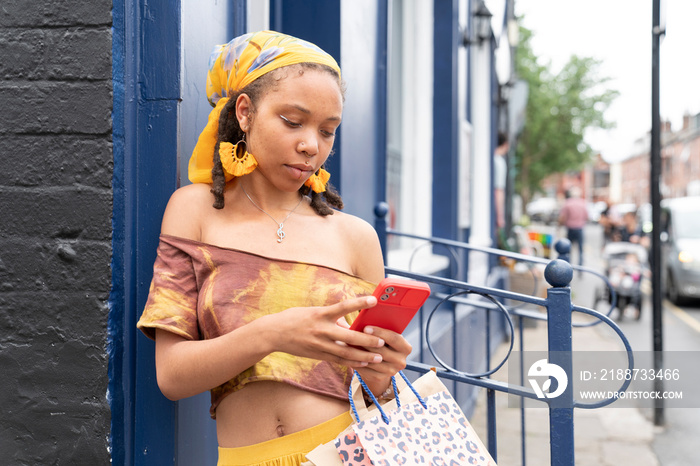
{"points": [[377, 358], [381, 342], [369, 330]]}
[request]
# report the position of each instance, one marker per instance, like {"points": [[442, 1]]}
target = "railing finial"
{"points": [[381, 210], [558, 273], [563, 248]]}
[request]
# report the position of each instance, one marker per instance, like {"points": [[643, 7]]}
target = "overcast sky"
{"points": [[618, 32]]}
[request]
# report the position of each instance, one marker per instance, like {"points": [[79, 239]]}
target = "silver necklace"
{"points": [[280, 230]]}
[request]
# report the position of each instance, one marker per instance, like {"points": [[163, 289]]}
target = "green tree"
{"points": [[560, 108]]}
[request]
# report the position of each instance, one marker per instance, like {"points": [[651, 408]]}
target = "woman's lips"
{"points": [[299, 170]]}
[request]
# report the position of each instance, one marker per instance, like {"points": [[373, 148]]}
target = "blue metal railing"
{"points": [[559, 308]]}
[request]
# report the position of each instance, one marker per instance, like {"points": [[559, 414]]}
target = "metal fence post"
{"points": [[561, 408]]}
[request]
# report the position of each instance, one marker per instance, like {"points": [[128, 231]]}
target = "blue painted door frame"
{"points": [[445, 120], [446, 126], [146, 77]]}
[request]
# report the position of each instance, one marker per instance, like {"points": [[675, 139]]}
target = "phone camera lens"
{"points": [[389, 289], [384, 297]]}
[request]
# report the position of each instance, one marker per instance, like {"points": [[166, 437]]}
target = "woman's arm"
{"points": [[188, 367]]}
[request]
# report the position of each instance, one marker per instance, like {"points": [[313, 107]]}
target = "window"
{"points": [[409, 132]]}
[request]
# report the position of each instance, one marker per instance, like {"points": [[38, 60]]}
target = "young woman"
{"points": [[258, 274]]}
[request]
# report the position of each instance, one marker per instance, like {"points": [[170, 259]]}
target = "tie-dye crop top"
{"points": [[201, 291]]}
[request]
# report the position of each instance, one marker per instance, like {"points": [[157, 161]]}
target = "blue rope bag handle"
{"points": [[385, 418]]}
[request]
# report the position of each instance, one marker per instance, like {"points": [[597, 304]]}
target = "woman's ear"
{"points": [[244, 107]]}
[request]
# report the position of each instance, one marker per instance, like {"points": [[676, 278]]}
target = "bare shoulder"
{"points": [[186, 210], [363, 244], [355, 228]]}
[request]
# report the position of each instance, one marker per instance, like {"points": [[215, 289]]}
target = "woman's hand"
{"points": [[394, 354], [396, 349], [315, 332], [323, 333]]}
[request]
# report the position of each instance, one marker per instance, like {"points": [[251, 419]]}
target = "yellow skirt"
{"points": [[289, 450]]}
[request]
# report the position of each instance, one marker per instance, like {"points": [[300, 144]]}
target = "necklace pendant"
{"points": [[280, 230], [280, 233]]}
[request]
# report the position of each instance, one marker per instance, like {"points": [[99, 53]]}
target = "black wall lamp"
{"points": [[481, 26]]}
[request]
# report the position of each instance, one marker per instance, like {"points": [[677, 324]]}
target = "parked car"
{"points": [[680, 248]]}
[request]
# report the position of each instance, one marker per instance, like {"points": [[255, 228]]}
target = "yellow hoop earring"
{"points": [[318, 181], [236, 159]]}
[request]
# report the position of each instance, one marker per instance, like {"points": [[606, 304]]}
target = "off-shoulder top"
{"points": [[201, 291]]}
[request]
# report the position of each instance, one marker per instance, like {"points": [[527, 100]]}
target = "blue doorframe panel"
{"points": [[156, 179], [380, 109], [317, 22], [119, 349], [239, 18], [445, 120], [146, 75], [276, 15]]}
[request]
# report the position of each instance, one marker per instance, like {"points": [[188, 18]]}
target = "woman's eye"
{"points": [[290, 123], [328, 134]]}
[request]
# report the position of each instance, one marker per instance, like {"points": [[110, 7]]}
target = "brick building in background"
{"points": [[55, 231], [680, 164], [681, 160], [627, 181]]}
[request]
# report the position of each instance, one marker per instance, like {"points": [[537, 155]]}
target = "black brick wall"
{"points": [[55, 231]]}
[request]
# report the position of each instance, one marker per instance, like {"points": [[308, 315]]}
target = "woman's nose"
{"points": [[308, 145]]}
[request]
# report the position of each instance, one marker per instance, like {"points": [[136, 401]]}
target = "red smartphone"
{"points": [[398, 300]]}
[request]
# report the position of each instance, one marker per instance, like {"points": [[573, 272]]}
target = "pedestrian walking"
{"points": [[574, 216]]}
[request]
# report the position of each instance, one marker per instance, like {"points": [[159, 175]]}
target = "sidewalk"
{"points": [[603, 436]]}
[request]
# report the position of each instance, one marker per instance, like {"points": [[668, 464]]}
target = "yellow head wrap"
{"points": [[235, 65]]}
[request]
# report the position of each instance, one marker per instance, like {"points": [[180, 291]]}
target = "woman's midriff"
{"points": [[264, 411]]}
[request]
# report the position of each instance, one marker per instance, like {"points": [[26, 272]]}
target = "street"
{"points": [[675, 441]]}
